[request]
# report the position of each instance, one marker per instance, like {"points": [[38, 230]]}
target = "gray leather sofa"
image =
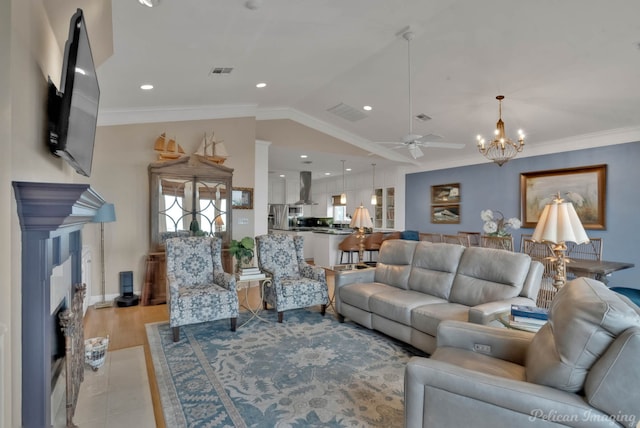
{"points": [[417, 284], [580, 370]]}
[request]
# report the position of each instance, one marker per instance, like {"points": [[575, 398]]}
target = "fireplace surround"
{"points": [[51, 216]]}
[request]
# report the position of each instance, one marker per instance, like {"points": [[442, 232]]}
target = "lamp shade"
{"points": [[558, 223], [219, 221], [106, 214], [361, 218]]}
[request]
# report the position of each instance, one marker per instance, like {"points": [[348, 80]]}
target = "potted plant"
{"points": [[242, 250]]}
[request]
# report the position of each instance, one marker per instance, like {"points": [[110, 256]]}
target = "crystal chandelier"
{"points": [[501, 149]]}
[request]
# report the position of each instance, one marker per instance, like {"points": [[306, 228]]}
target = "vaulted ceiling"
{"points": [[569, 70]]}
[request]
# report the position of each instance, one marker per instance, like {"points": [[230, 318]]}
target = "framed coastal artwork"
{"points": [[242, 198], [585, 187], [445, 214], [445, 193]]}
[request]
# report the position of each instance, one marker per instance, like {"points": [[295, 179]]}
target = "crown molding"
{"points": [[109, 117]]}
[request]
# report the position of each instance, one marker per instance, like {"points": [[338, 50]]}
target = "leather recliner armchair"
{"points": [[580, 369]]}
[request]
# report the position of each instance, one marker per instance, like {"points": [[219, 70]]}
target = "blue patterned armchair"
{"points": [[295, 284], [199, 288]]}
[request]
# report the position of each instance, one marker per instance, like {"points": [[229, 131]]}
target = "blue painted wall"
{"points": [[488, 186]]}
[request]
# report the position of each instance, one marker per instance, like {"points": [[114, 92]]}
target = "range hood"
{"points": [[305, 189]]}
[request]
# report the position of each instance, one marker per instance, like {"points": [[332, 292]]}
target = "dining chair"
{"points": [[499, 242], [431, 237], [457, 239], [591, 250], [474, 238], [543, 253]]}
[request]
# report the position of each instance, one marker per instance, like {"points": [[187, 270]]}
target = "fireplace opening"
{"points": [[57, 343]]}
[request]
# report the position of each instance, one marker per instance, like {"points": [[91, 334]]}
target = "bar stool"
{"points": [[349, 245], [372, 243]]}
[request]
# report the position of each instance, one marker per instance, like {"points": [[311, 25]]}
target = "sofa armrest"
{"points": [[356, 276], [435, 389], [501, 343], [490, 311]]}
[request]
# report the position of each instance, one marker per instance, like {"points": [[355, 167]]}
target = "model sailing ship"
{"points": [[214, 151], [167, 149]]}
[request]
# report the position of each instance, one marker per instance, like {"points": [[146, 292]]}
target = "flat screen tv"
{"points": [[73, 110]]}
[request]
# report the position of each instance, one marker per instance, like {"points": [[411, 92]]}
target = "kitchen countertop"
{"points": [[324, 230]]}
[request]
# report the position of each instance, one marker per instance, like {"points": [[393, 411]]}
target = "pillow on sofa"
{"points": [[584, 319], [410, 235]]}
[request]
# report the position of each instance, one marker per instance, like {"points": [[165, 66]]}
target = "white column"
{"points": [[261, 189]]}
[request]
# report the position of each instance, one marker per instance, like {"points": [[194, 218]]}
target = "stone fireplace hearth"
{"points": [[52, 216]]}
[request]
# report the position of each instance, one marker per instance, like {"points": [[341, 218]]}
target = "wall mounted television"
{"points": [[73, 110]]}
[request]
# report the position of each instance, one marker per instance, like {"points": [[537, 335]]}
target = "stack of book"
{"points": [[250, 273], [528, 317]]}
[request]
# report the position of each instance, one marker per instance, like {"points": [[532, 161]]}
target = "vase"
{"points": [[244, 262]]}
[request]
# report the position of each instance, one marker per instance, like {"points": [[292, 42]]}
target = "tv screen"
{"points": [[73, 110]]}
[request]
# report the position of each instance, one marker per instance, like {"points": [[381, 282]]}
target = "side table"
{"points": [[246, 284]]}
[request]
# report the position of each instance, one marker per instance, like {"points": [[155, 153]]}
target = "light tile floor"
{"points": [[116, 395]]}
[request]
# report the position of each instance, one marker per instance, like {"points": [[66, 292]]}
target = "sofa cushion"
{"points": [[486, 275], [434, 268], [584, 319], [426, 318], [480, 363], [358, 294], [617, 371], [396, 305], [394, 262]]}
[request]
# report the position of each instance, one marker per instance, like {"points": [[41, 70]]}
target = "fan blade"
{"points": [[415, 151], [397, 143], [432, 144]]}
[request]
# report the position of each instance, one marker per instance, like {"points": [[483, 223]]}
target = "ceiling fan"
{"points": [[412, 141]]}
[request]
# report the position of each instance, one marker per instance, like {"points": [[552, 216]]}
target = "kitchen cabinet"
{"points": [[384, 210]]}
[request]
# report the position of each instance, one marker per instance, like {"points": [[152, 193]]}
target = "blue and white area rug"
{"points": [[310, 371]]}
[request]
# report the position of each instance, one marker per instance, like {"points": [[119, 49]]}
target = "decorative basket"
{"points": [[95, 351]]}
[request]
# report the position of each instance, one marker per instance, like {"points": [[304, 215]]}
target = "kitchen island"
{"points": [[321, 244]]}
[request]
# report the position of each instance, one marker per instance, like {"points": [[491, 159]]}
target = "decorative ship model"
{"points": [[168, 150], [214, 151]]}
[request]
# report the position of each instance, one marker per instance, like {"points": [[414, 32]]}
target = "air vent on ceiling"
{"points": [[347, 112], [220, 70], [422, 117]]}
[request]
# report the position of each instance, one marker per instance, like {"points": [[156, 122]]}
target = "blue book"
{"points": [[529, 312]]}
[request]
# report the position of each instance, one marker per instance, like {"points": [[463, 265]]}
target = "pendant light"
{"points": [[343, 195], [374, 198]]}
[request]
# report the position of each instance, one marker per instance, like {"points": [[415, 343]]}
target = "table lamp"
{"points": [[106, 214], [219, 223], [360, 220], [558, 224]]}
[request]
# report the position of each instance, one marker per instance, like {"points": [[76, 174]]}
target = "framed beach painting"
{"points": [[585, 187], [445, 214], [242, 198]]}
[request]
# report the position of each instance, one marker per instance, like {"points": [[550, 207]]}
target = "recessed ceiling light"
{"points": [[327, 173], [146, 87], [282, 175], [368, 108], [304, 156], [261, 85], [348, 169]]}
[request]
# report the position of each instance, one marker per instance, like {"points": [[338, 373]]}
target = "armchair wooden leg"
{"points": [[323, 309], [234, 323], [176, 333], [280, 316], [340, 318], [264, 305]]}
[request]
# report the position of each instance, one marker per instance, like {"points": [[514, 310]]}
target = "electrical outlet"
{"points": [[485, 349], [243, 220]]}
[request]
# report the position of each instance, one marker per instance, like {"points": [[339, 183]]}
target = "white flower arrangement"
{"points": [[497, 226]]}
